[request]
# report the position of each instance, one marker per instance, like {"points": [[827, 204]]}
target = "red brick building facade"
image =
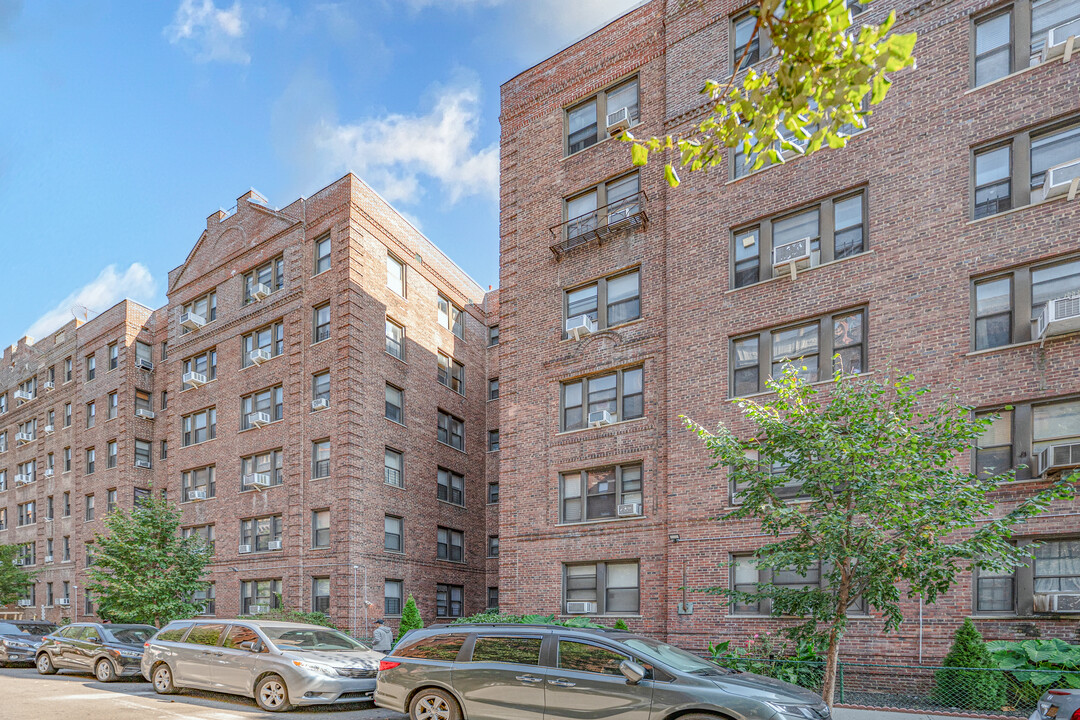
{"points": [[928, 252]]}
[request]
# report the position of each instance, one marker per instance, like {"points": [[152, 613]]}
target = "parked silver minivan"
{"points": [[280, 664]]}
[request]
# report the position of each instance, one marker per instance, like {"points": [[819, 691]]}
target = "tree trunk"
{"points": [[832, 657]]}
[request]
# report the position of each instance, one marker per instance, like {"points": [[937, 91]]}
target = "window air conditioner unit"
{"points": [[63, 601], [191, 321], [256, 609], [260, 291], [26, 603], [579, 326], [257, 481], [599, 418], [194, 379], [1063, 179], [1058, 38], [244, 549], [22, 479], [273, 545], [791, 257], [258, 419], [49, 472], [23, 395], [196, 495], [144, 464], [48, 385], [580, 608], [145, 414], [1057, 457], [144, 364], [320, 404], [618, 121], [49, 429], [629, 509], [1057, 602], [1060, 316], [259, 356], [48, 558], [24, 437]]}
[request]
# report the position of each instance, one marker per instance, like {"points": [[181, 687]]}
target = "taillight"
{"points": [[1058, 692], [387, 665], [1075, 715], [146, 644]]}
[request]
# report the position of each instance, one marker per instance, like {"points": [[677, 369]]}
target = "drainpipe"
{"points": [[920, 629]]}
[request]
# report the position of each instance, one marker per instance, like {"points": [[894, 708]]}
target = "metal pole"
{"points": [[920, 629], [366, 628], [75, 602], [352, 620]]}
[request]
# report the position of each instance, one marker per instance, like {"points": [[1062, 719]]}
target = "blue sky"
{"points": [[125, 124]]}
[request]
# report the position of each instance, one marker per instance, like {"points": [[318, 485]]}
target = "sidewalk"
{"points": [[842, 713]]}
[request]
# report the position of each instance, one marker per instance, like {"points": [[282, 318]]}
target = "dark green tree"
{"points": [[143, 571], [14, 580], [967, 689], [883, 502], [410, 618]]}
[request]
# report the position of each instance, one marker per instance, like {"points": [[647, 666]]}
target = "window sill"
{"points": [[609, 328], [319, 409], [771, 166], [459, 394], [1001, 348], [394, 552], [245, 491], [1021, 208], [801, 272], [493, 451], [603, 521], [199, 443], [319, 547], [1004, 78], [187, 502], [595, 144], [762, 393], [602, 427], [451, 562], [320, 477], [399, 359], [451, 447], [320, 342], [451, 504], [259, 427], [193, 387], [256, 365], [391, 420], [624, 616]]}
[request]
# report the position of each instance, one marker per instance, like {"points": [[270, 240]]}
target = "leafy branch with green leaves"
{"points": [[14, 579]]}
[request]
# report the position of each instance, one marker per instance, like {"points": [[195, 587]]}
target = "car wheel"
{"points": [[163, 680], [272, 694], [104, 671], [45, 664], [432, 704]]}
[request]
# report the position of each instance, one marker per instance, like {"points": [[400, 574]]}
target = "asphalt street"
{"points": [[67, 696]]}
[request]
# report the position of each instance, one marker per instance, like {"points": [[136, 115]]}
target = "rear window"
{"points": [[438, 647], [516, 650], [172, 634], [205, 634], [585, 657], [130, 635]]}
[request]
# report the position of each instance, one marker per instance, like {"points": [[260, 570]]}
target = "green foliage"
{"points": [[494, 616], [287, 614], [620, 624], [14, 580], [969, 690], [143, 571], [1037, 663], [797, 662], [825, 70], [884, 504], [410, 618], [63, 621]]}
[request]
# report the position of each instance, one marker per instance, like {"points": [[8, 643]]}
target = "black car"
{"points": [[108, 651], [19, 640]]}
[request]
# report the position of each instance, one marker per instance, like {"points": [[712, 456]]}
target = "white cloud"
{"points": [[209, 32], [101, 293]]}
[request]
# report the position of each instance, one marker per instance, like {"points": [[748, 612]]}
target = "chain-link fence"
{"points": [[973, 691]]}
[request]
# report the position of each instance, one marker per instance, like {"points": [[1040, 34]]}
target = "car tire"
{"points": [[272, 694], [45, 664], [104, 671], [162, 679], [434, 704]]}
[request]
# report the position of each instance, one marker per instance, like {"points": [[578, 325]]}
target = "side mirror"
{"points": [[252, 646], [633, 672]]}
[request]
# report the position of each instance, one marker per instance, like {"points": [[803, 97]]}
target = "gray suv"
{"points": [[549, 672]]}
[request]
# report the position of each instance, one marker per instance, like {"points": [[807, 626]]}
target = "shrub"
{"points": [[620, 624], [974, 689], [289, 615], [1037, 663], [410, 618], [494, 616]]}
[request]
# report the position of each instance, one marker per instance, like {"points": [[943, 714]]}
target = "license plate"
{"points": [[1051, 712]]}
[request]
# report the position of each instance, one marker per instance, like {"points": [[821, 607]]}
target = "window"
{"points": [[67, 370], [493, 440], [91, 456], [271, 274], [91, 367], [89, 514], [259, 596], [1055, 147], [586, 657], [1054, 423], [27, 514], [493, 493], [619, 295], [451, 431], [1057, 567], [322, 254], [1047, 14], [320, 528], [205, 364], [143, 402], [746, 49], [205, 307], [269, 339], [259, 533], [582, 127], [395, 404], [265, 463], [141, 495], [451, 316], [110, 500], [3, 403], [1002, 316], [993, 47], [114, 356], [836, 228], [111, 406], [204, 533], [619, 393], [995, 591], [261, 407], [164, 449], [320, 594], [320, 459], [164, 399], [746, 575], [28, 470], [27, 556], [493, 335], [451, 545], [1053, 568], [449, 603], [67, 415], [3, 518], [493, 598], [999, 183], [451, 373], [451, 487], [606, 204], [392, 593], [516, 650], [613, 586], [493, 546], [49, 508], [394, 468], [321, 323], [49, 594], [164, 350], [320, 386], [201, 479], [199, 427], [110, 460], [207, 600], [393, 534], [993, 184], [801, 346], [395, 275], [598, 494], [91, 414], [67, 505], [395, 339], [142, 454]]}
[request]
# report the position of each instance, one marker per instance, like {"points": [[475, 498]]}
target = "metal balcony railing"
{"points": [[625, 214]]}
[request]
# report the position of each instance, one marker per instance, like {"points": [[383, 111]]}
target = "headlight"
{"points": [[315, 668], [129, 653], [17, 644], [803, 712]]}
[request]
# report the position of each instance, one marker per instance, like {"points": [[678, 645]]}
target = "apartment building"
{"points": [[314, 396], [941, 240]]}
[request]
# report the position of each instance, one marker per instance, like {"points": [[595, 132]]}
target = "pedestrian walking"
{"points": [[384, 638]]}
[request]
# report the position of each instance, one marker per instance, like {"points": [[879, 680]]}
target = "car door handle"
{"points": [[562, 683], [528, 678]]}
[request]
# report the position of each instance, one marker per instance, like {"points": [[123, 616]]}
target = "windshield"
{"points": [[20, 628], [675, 657], [304, 639], [131, 635]]}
